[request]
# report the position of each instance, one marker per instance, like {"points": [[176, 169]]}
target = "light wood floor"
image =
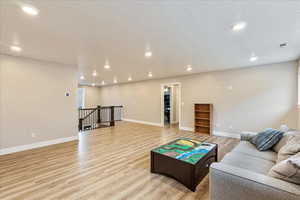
{"points": [[110, 163]]}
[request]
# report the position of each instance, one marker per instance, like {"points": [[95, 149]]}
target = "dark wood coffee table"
{"points": [[186, 160]]}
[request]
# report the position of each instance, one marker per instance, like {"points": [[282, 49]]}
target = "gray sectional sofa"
{"points": [[242, 175]]}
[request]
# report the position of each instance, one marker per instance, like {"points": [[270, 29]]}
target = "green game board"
{"points": [[185, 149]]}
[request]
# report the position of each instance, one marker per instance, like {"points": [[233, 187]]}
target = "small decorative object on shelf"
{"points": [[204, 118]]}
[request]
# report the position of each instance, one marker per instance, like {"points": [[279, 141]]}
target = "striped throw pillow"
{"points": [[267, 139]]}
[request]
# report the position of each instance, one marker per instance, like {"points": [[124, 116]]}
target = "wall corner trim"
{"points": [[36, 145], [142, 122]]}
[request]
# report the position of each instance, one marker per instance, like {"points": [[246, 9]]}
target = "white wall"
{"points": [[246, 99], [298, 101], [92, 96], [32, 100]]}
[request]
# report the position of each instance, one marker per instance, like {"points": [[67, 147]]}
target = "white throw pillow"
{"points": [[284, 139], [288, 170]]}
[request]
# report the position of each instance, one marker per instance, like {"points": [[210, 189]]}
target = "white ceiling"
{"points": [[85, 33]]}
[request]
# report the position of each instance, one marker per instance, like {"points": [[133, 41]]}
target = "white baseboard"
{"points": [[226, 134], [186, 129], [142, 122], [216, 133], [36, 145]]}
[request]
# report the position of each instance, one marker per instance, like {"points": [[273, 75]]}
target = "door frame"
{"points": [[162, 114]]}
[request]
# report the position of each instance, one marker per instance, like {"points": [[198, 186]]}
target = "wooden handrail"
{"points": [[111, 106], [87, 108], [100, 106]]}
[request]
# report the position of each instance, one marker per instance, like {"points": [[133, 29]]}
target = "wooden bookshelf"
{"points": [[204, 118]]}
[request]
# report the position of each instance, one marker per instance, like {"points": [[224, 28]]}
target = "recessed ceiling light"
{"points": [[239, 26], [189, 68], [103, 83], [148, 54], [106, 66], [94, 73], [253, 58], [93, 84], [30, 10], [129, 78], [16, 48], [150, 74], [82, 77]]}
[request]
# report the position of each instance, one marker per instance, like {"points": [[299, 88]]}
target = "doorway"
{"points": [[170, 105], [167, 106]]}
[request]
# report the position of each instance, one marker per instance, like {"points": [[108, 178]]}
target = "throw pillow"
{"points": [[288, 170], [281, 143], [291, 148], [284, 139], [267, 139]]}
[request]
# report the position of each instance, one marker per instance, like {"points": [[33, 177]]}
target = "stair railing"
{"points": [[101, 116]]}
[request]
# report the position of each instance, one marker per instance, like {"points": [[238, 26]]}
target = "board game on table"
{"points": [[185, 159]]}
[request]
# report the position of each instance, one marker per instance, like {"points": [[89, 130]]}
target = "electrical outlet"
{"points": [[33, 135]]}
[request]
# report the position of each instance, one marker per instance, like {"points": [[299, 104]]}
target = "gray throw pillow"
{"points": [[267, 139]]}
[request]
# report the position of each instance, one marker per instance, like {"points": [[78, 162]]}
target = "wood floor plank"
{"points": [[109, 163]]}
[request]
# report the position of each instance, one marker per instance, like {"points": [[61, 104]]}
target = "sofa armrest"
{"points": [[246, 136], [232, 183]]}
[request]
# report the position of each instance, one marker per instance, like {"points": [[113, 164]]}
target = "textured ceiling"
{"points": [[179, 33]]}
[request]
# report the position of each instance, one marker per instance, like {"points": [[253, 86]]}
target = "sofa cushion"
{"points": [[248, 162], [267, 139], [249, 149]]}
